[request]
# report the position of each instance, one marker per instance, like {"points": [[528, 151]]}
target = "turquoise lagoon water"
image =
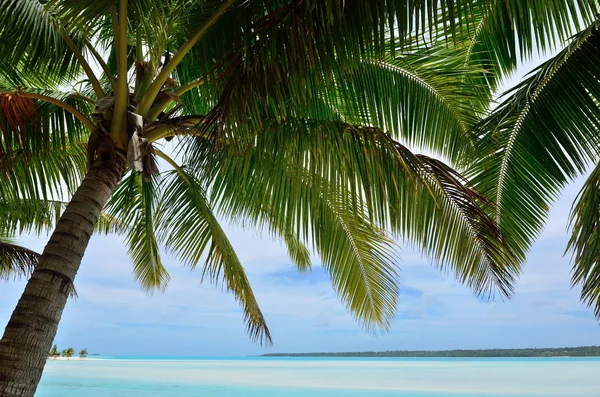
{"points": [[301, 377]]}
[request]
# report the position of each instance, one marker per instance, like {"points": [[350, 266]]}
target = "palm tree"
{"points": [[287, 115], [83, 353], [68, 353], [54, 351]]}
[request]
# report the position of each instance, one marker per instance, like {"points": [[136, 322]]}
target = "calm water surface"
{"points": [[298, 377]]}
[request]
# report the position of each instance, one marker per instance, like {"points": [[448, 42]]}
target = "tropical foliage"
{"points": [[15, 261], [259, 109], [83, 353], [68, 353], [54, 351], [542, 136], [292, 117]]}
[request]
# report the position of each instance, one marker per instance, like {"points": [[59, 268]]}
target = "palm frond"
{"points": [[498, 33], [282, 72], [16, 261], [21, 215], [421, 99], [134, 204], [310, 176], [585, 241], [36, 125], [190, 229], [31, 35], [42, 176], [359, 257], [542, 136]]}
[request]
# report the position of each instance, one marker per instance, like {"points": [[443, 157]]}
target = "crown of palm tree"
{"points": [[290, 121]]}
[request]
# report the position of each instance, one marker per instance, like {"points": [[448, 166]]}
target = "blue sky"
{"points": [[112, 316]]}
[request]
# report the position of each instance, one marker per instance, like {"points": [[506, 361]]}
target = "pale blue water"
{"points": [[301, 377]]}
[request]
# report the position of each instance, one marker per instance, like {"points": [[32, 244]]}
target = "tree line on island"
{"points": [[583, 351], [68, 352]]}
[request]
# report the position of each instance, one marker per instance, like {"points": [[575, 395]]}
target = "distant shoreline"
{"points": [[582, 351], [70, 358]]}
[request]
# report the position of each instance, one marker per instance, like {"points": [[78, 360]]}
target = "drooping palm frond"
{"points": [[134, 204], [360, 258], [42, 176], [34, 121], [21, 215], [314, 175], [190, 230], [542, 136], [585, 241], [15, 261]]}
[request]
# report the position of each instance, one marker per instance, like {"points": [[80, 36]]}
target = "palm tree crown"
{"points": [[256, 110]]}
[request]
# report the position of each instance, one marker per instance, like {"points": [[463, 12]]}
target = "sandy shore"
{"points": [[74, 358]]}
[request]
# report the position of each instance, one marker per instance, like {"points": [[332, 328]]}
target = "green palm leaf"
{"points": [[189, 228], [20, 215], [15, 261], [41, 176], [31, 36], [542, 136], [134, 204], [585, 241], [326, 175], [359, 258]]}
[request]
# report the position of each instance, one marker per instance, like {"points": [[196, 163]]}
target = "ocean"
{"points": [[320, 377]]}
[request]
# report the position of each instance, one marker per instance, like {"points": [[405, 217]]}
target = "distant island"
{"points": [[583, 351]]}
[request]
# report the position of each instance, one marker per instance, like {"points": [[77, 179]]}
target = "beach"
{"points": [[303, 377]]}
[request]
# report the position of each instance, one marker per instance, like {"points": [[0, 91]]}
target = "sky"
{"points": [[113, 316]]}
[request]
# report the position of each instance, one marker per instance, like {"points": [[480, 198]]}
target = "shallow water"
{"points": [[301, 377]]}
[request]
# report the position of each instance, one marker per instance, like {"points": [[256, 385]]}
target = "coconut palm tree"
{"points": [[83, 353], [54, 351], [294, 117], [68, 353]]}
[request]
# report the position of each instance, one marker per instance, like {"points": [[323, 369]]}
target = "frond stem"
{"points": [[104, 66], [159, 81], [139, 51], [165, 130], [118, 130], [160, 105], [83, 98], [85, 65], [172, 163], [87, 122]]}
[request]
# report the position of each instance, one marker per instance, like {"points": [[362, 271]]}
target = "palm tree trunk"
{"points": [[32, 327]]}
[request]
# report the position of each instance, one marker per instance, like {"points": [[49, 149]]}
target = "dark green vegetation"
{"points": [[68, 352], [54, 352], [584, 351]]}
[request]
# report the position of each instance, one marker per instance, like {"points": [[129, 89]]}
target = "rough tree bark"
{"points": [[32, 327]]}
